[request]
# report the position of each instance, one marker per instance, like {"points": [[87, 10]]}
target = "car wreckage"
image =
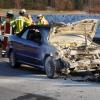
{"points": [[75, 49], [57, 49]]}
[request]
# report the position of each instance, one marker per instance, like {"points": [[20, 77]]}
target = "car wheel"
{"points": [[13, 61], [3, 55], [49, 68]]}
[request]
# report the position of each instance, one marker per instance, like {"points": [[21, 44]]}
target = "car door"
{"points": [[32, 49], [19, 45]]}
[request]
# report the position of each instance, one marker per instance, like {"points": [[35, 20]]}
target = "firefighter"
{"points": [[6, 25], [41, 20], [6, 30], [29, 17], [21, 21]]}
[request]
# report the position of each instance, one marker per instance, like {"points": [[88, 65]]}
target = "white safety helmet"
{"points": [[22, 12], [40, 15], [10, 14]]}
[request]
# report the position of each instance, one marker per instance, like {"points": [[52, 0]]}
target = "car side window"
{"points": [[34, 35], [24, 36]]}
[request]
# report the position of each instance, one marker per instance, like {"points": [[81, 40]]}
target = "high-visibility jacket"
{"points": [[21, 22], [43, 21]]}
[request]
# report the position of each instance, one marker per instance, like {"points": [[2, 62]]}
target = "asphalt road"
{"points": [[27, 83]]}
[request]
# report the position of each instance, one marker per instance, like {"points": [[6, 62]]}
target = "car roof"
{"points": [[39, 26], [34, 26]]}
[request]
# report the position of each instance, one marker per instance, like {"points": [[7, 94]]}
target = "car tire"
{"points": [[50, 68], [3, 55], [13, 60]]}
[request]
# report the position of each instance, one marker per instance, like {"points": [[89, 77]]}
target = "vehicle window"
{"points": [[24, 36], [34, 35], [45, 33]]}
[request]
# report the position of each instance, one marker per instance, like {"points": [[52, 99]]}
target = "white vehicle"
{"points": [[75, 48]]}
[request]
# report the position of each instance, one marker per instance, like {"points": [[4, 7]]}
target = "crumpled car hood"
{"points": [[74, 34]]}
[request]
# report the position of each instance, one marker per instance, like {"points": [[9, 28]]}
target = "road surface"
{"points": [[27, 83]]}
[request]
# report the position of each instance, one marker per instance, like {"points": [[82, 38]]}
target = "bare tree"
{"points": [[18, 3]]}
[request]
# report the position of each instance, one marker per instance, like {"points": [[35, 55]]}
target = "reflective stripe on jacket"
{"points": [[43, 21], [20, 23]]}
